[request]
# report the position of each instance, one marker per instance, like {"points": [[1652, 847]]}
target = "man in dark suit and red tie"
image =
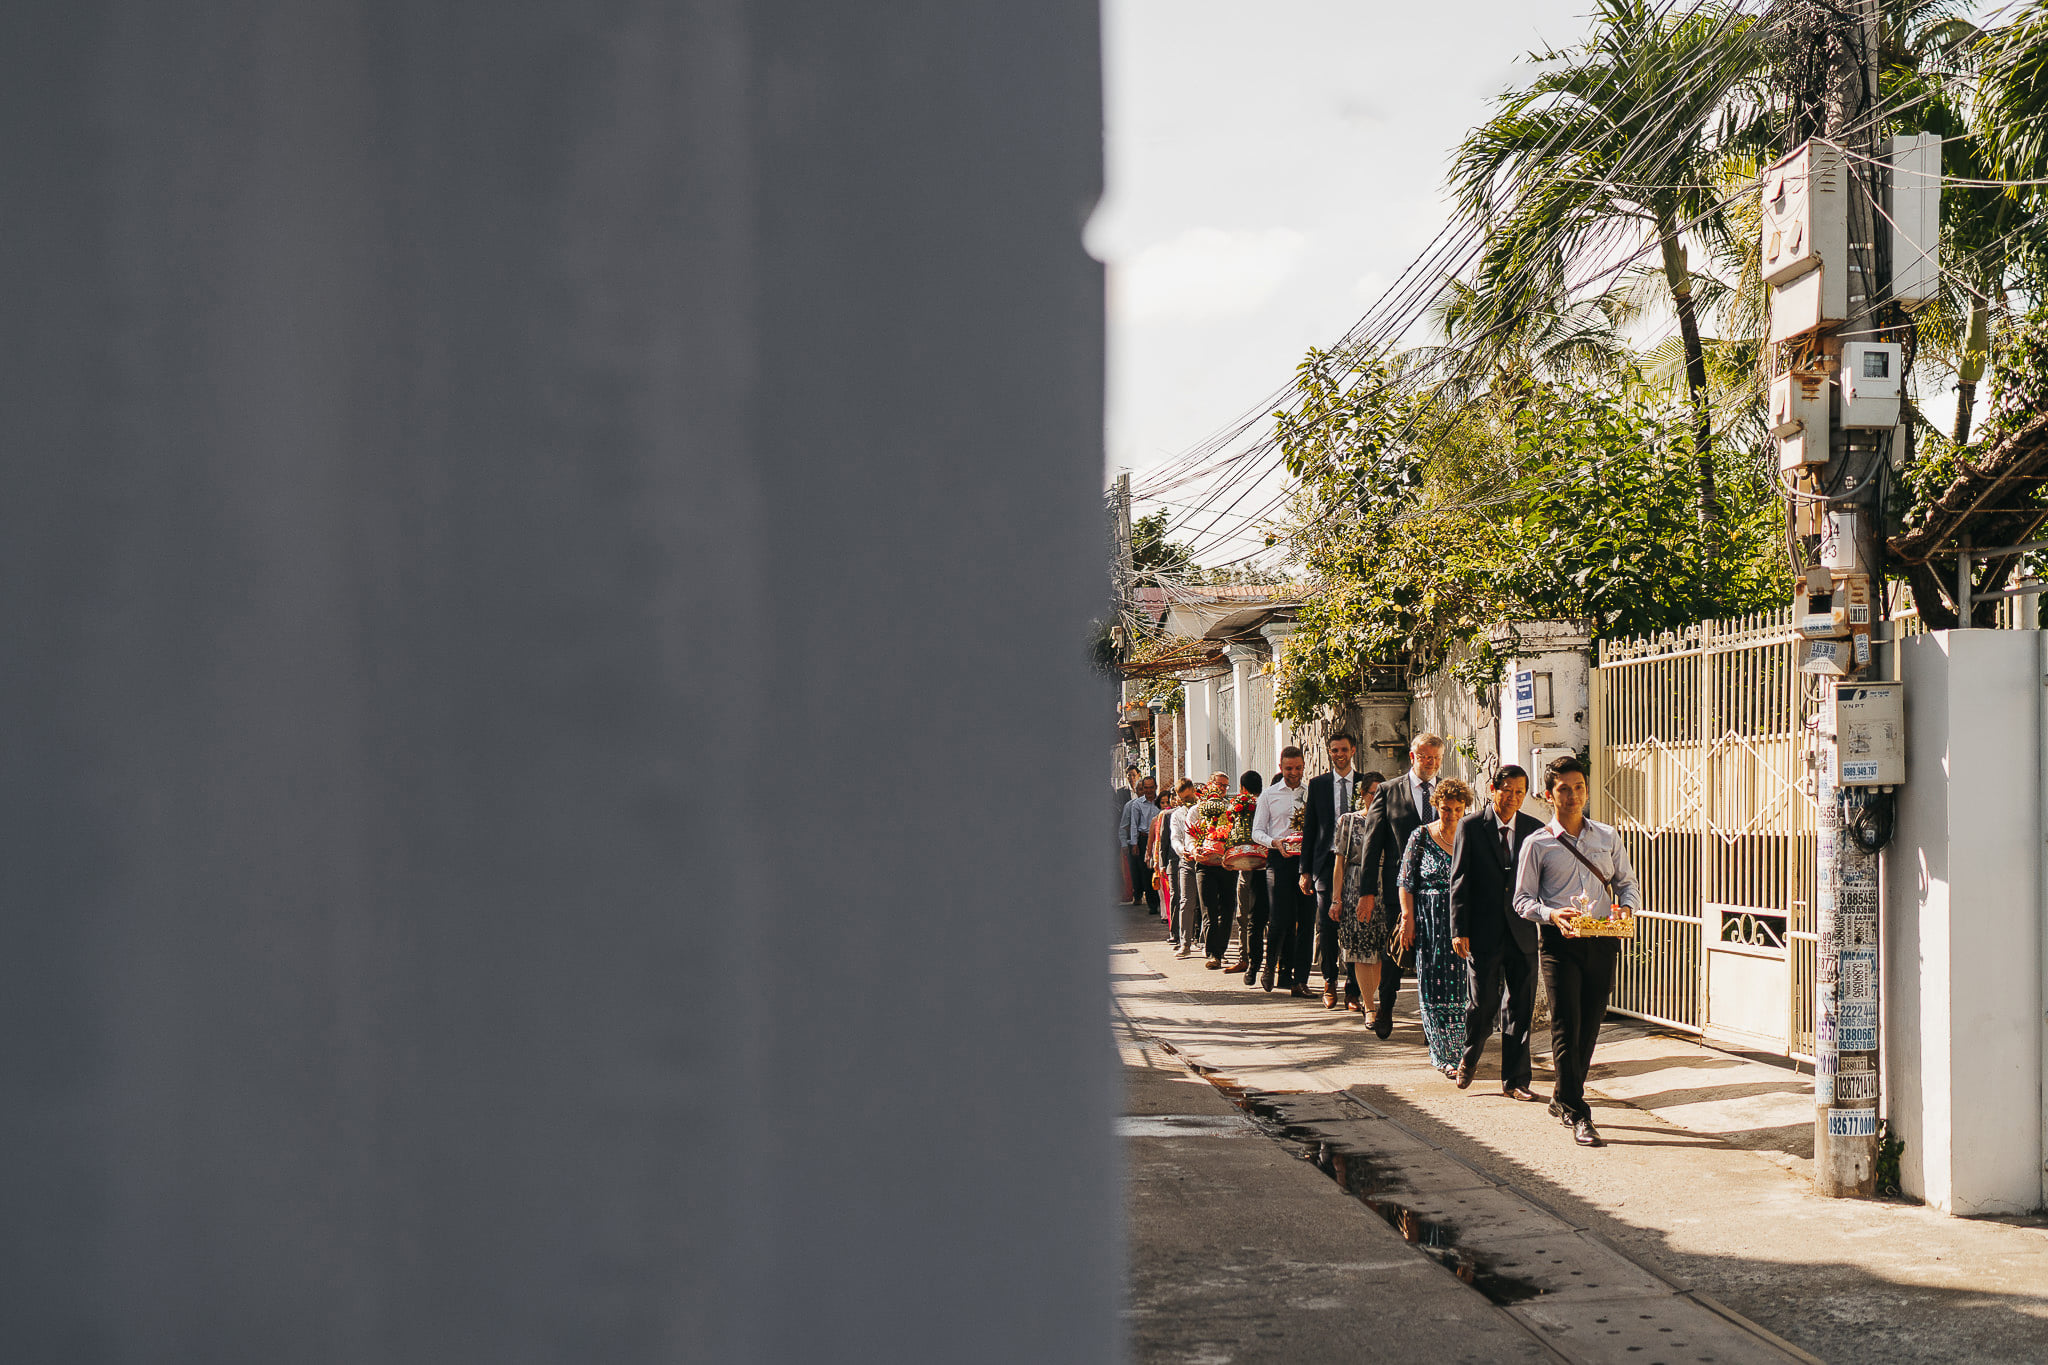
{"points": [[1485, 930]]}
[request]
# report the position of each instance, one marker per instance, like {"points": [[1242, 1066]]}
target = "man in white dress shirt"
{"points": [[1187, 899], [1573, 867], [1290, 933]]}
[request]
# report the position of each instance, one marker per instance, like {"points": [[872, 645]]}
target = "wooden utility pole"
{"points": [[1846, 960]]}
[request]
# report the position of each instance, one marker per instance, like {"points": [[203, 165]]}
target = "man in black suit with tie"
{"points": [[1401, 807], [1485, 930], [1329, 796]]}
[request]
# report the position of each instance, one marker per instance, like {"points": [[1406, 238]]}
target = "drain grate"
{"points": [[1672, 1330]]}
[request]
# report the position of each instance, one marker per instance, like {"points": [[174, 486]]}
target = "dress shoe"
{"points": [[1586, 1135], [1515, 1092], [1557, 1112], [1213, 963], [1352, 1005], [1234, 966], [1329, 998], [1298, 992], [1267, 979], [1251, 975], [1382, 1024], [1463, 1078]]}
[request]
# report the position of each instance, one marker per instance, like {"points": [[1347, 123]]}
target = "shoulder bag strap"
{"points": [[1571, 846]]}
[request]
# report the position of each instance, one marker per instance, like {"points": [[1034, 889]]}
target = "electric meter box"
{"points": [[1805, 246], [1870, 381], [1806, 214], [1870, 734], [1799, 418], [1914, 212], [1817, 299]]}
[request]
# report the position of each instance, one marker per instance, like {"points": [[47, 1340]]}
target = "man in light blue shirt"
{"points": [[1139, 813], [1573, 868]]}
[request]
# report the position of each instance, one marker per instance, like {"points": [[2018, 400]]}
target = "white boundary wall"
{"points": [[1963, 924]]}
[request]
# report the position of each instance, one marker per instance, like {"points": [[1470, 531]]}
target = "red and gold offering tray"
{"points": [[1244, 857]]}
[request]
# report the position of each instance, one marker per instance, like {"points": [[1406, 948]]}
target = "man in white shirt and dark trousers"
{"points": [[1187, 899], [1290, 932], [1571, 866]]}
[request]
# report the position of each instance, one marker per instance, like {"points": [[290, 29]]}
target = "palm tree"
{"points": [[1610, 152]]}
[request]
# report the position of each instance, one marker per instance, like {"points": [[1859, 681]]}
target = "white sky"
{"points": [[1271, 168]]}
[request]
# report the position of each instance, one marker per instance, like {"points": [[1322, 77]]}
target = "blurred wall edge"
{"points": [[552, 803]]}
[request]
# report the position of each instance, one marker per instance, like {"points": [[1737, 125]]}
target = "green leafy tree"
{"points": [[1619, 139]]}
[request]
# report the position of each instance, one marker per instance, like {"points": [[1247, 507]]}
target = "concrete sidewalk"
{"points": [[1242, 1252], [1719, 1214]]}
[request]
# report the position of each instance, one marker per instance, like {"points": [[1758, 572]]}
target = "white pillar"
{"points": [[1962, 990], [1277, 634], [1244, 661], [1201, 706]]}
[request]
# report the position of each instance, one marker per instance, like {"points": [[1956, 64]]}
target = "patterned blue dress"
{"points": [[1440, 975]]}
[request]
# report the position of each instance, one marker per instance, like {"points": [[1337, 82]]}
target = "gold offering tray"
{"points": [[1615, 926]]}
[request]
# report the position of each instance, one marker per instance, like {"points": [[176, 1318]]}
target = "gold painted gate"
{"points": [[1698, 743]]}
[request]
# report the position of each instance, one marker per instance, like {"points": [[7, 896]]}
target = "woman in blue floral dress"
{"points": [[1440, 976]]}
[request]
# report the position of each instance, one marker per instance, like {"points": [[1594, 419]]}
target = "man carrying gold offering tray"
{"points": [[1574, 871]]}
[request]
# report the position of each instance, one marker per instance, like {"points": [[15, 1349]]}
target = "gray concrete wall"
{"points": [[469, 468]]}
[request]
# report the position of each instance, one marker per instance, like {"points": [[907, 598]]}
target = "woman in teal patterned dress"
{"points": [[1440, 976]]}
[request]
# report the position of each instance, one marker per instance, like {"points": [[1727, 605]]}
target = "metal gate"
{"points": [[1698, 743]]}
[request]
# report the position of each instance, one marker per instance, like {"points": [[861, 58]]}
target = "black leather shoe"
{"points": [[1267, 980], [1251, 975], [1298, 992], [1382, 1025], [1557, 1111], [1586, 1135]]}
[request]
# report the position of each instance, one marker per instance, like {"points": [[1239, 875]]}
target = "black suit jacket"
{"points": [[1483, 886], [1389, 821], [1319, 824]]}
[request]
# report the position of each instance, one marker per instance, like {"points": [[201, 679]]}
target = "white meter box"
{"points": [[1805, 244], [1799, 418], [1806, 214], [1870, 734], [1915, 217], [1870, 383]]}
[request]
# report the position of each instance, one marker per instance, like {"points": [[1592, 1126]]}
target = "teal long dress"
{"points": [[1440, 976]]}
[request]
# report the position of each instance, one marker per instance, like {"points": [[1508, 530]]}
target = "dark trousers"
{"points": [[1390, 973], [1511, 971], [1219, 909], [1142, 889], [1290, 928], [1258, 914], [1326, 945], [1187, 906], [1172, 874], [1578, 974]]}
